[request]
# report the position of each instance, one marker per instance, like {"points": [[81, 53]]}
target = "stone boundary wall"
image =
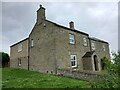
{"points": [[83, 75]]}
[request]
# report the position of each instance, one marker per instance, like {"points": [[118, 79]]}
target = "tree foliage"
{"points": [[103, 63], [4, 58], [111, 79]]}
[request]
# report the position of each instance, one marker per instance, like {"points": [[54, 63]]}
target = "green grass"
{"points": [[19, 78]]}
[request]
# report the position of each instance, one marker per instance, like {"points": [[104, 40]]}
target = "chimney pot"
{"points": [[40, 5], [71, 25]]}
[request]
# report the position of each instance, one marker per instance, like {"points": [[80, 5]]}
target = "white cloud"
{"points": [[97, 12]]}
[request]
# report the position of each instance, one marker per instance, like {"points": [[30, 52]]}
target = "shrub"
{"points": [[4, 58], [111, 79]]}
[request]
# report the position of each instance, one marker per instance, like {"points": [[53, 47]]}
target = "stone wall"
{"points": [[87, 63], [83, 75], [99, 49], [42, 54], [22, 55], [64, 49]]}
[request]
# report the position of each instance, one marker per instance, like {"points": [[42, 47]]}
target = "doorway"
{"points": [[95, 63]]}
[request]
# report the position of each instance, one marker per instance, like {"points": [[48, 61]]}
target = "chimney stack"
{"points": [[71, 24], [41, 14]]}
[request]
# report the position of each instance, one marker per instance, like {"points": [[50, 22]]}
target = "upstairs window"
{"points": [[84, 41], [19, 47], [72, 38], [73, 60], [93, 46], [103, 47], [32, 42]]}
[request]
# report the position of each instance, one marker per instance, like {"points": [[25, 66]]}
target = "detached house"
{"points": [[50, 47]]}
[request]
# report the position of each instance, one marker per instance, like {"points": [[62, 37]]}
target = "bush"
{"points": [[4, 58], [111, 79], [103, 63]]}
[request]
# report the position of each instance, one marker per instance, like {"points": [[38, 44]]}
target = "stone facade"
{"points": [[19, 57], [51, 47]]}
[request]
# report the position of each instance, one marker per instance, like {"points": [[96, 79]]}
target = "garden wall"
{"points": [[83, 75]]}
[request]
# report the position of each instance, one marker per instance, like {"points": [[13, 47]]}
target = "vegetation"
{"points": [[4, 58], [112, 79], [103, 62], [19, 78]]}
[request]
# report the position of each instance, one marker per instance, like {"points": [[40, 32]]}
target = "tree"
{"points": [[4, 58], [103, 63], [111, 79]]}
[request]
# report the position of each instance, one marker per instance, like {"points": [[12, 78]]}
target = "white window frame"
{"points": [[19, 62], [72, 60], [93, 46], [32, 42], [103, 47], [71, 38], [85, 41], [19, 47]]}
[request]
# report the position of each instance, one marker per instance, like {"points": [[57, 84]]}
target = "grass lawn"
{"points": [[19, 78]]}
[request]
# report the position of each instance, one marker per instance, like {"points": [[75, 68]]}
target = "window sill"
{"points": [[72, 43], [19, 65], [19, 51], [85, 45], [74, 66]]}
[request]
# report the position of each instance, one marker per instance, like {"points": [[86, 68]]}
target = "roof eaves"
{"points": [[96, 39], [88, 54]]}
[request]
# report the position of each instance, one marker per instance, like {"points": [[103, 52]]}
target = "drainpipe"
{"points": [[28, 62], [90, 43], [28, 52], [55, 61]]}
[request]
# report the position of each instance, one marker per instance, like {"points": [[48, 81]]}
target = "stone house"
{"points": [[51, 46]]}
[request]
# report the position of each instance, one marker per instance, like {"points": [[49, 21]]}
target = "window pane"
{"points": [[73, 60], [93, 46], [84, 41], [32, 43], [71, 35], [103, 47], [73, 63], [19, 47], [71, 38], [19, 62]]}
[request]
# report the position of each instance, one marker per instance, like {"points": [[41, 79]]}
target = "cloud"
{"points": [[105, 23], [96, 18], [17, 22], [119, 25]]}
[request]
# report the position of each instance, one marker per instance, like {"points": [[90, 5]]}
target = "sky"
{"points": [[98, 19]]}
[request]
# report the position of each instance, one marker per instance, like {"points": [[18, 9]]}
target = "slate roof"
{"points": [[88, 54], [96, 39]]}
